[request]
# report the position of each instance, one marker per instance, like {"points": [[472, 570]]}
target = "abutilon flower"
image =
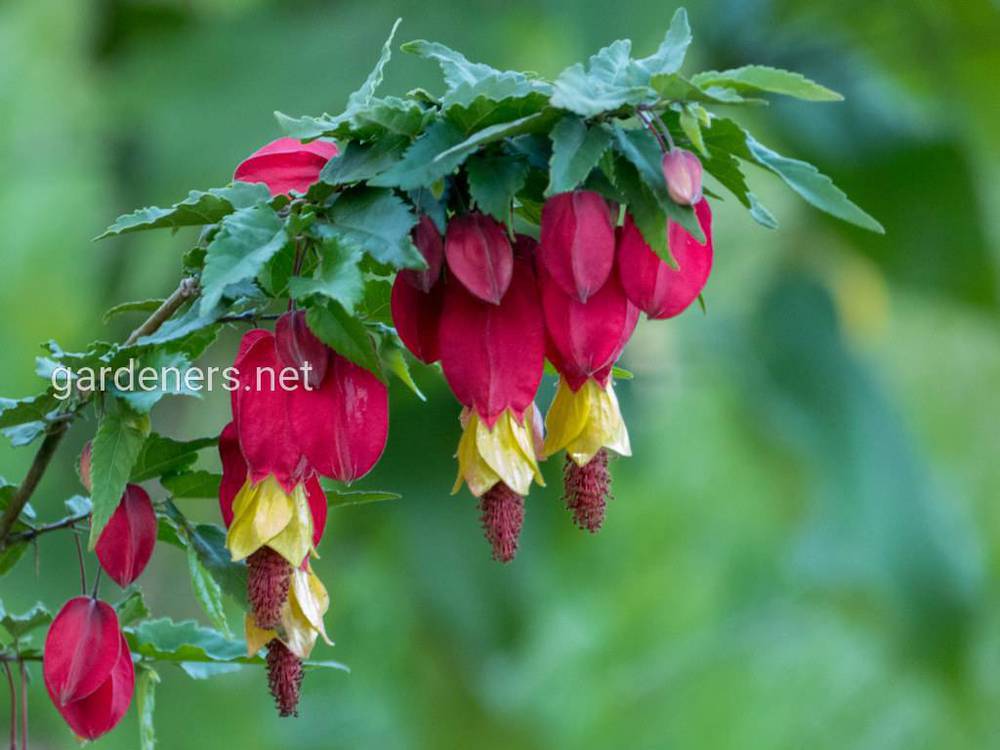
{"points": [[650, 283], [492, 356], [127, 542], [583, 342], [333, 423], [286, 164], [682, 173], [577, 242], [417, 296], [87, 667], [479, 255]]}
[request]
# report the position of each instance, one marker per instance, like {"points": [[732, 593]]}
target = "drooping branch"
{"points": [[187, 289], [30, 534]]}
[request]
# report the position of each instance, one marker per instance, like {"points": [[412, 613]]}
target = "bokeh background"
{"points": [[803, 551]]}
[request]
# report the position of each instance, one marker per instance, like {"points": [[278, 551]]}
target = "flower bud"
{"points": [[429, 242], [650, 283], [127, 542], [299, 348], [286, 164], [577, 242], [682, 171], [479, 255]]}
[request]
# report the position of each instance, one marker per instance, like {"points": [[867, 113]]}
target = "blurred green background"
{"points": [[804, 550]]}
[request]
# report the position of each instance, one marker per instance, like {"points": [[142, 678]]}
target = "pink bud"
{"points": [[127, 542], [429, 242], [81, 649], [298, 347], [479, 255], [682, 171], [653, 286], [578, 242], [286, 164], [85, 465], [416, 315]]}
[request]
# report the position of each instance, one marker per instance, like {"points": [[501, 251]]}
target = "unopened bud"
{"points": [[682, 171]]}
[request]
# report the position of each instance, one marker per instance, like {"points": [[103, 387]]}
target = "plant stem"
{"points": [[187, 289], [13, 706], [97, 583], [83, 569], [24, 706], [31, 534]]}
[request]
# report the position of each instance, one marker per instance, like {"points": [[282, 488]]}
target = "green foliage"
{"points": [[345, 334], [145, 700], [576, 150], [754, 79]]}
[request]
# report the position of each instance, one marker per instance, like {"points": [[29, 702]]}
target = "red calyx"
{"points": [[417, 316], [577, 242], [286, 164], [429, 242], [299, 349], [479, 255], [127, 542]]}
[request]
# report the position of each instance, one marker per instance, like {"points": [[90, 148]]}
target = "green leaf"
{"points": [[197, 209], [132, 609], [620, 373], [376, 222], [644, 207], [692, 129], [143, 306], [166, 640], [498, 103], [116, 446], [669, 56], [344, 334], [192, 484], [207, 592], [32, 409], [363, 95], [640, 147], [493, 183], [11, 555], [610, 80], [753, 79], [576, 149], [376, 305], [145, 699], [246, 240], [492, 134], [421, 165], [814, 186], [760, 213], [338, 277], [161, 455], [339, 499], [363, 161], [675, 87], [395, 362], [20, 626]]}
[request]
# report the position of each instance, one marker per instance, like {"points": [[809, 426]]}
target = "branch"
{"points": [[187, 289], [27, 536]]}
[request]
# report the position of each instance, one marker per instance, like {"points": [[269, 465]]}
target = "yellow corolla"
{"points": [[265, 514], [584, 421], [504, 453], [301, 617]]}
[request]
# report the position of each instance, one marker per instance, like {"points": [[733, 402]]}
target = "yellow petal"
{"points": [[605, 427], [260, 512], [299, 634], [311, 599], [256, 637], [295, 539], [567, 416], [472, 469], [508, 451]]}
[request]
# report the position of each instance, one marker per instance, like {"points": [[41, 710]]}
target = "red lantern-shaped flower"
{"points": [[492, 356], [650, 283], [479, 255], [577, 242], [87, 667], [417, 296], [583, 342], [127, 542], [286, 164]]}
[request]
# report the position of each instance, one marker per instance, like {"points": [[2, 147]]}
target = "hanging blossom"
{"points": [[333, 423], [286, 164], [584, 340]]}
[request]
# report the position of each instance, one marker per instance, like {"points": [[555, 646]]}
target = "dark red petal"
{"points": [[585, 338], [417, 316], [493, 355], [286, 164], [429, 242], [81, 649], [265, 433], [250, 338], [578, 242], [525, 248], [127, 542], [317, 506], [101, 711], [298, 346], [652, 285], [234, 471], [479, 255], [342, 426]]}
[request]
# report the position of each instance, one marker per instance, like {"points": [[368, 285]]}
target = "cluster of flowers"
{"points": [[87, 664], [492, 308]]}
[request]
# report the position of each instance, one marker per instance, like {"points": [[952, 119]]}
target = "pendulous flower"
{"points": [[479, 255], [682, 172], [417, 296], [650, 283], [492, 357], [583, 342], [577, 242], [286, 164], [87, 667], [128, 539]]}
